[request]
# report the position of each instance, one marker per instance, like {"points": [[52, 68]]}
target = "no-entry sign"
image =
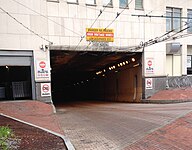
{"points": [[42, 64], [149, 63], [45, 89], [149, 66], [42, 69]]}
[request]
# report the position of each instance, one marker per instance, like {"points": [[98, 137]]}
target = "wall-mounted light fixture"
{"points": [[44, 47]]}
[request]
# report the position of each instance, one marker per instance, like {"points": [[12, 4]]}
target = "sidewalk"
{"points": [[37, 114], [177, 95], [34, 112]]}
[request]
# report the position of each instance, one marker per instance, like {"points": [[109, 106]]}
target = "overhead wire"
{"points": [[82, 37], [47, 17], [117, 15], [82, 5], [180, 36], [87, 6], [163, 38], [179, 4], [161, 16], [26, 26], [158, 39]]}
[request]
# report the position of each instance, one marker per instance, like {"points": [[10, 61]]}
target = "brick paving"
{"points": [[174, 136], [116, 126], [172, 95], [34, 112]]}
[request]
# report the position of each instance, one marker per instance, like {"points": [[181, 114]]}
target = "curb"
{"points": [[67, 142], [166, 101]]}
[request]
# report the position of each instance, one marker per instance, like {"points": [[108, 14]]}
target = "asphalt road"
{"points": [[115, 126]]}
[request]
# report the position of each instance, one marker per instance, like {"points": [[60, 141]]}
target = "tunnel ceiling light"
{"points": [[133, 59], [136, 65], [104, 70], [127, 62], [99, 72], [123, 63]]}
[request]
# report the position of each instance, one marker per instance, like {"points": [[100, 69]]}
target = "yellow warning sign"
{"points": [[99, 34]]}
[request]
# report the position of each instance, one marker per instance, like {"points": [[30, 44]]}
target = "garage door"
{"points": [[16, 74], [15, 58]]}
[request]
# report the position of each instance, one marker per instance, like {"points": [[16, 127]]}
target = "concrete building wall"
{"points": [[64, 23]]}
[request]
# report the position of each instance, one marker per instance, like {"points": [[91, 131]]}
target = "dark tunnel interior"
{"points": [[81, 76]]}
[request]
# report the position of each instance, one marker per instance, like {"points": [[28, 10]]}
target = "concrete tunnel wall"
{"points": [[117, 86]]}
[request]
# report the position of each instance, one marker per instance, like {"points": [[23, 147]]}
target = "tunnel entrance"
{"points": [[105, 76]]}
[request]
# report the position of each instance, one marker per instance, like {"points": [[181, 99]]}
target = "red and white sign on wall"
{"points": [[149, 83], [149, 66], [99, 35], [45, 89], [42, 69]]}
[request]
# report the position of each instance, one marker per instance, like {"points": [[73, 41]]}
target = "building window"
{"points": [[189, 66], [189, 59], [173, 20], [91, 2], [72, 1], [189, 20], [107, 3], [173, 65], [123, 3], [139, 4], [53, 1]]}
